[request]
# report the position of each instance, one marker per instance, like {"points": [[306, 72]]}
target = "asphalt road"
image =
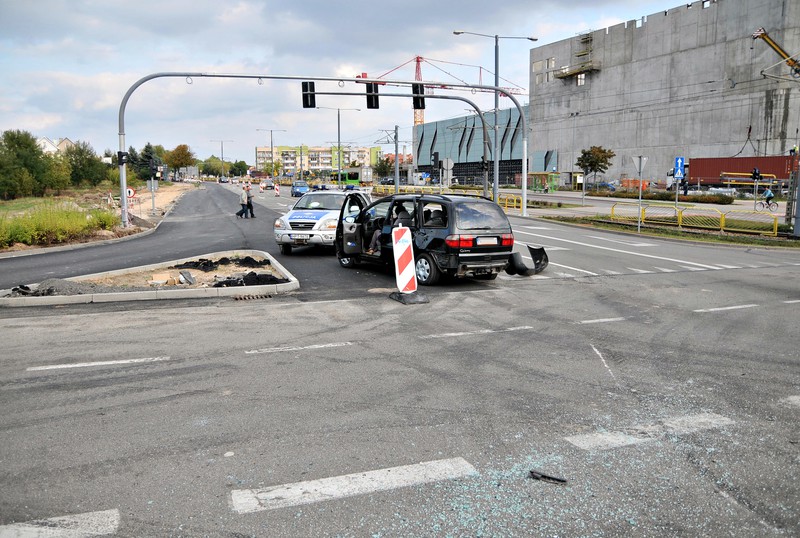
{"points": [[659, 379]]}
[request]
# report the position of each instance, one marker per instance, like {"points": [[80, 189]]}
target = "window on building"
{"points": [[551, 63], [538, 78], [537, 66], [580, 80]]}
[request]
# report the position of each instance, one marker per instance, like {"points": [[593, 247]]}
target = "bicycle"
{"points": [[771, 206]]}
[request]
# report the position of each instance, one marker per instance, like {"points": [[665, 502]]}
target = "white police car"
{"points": [[312, 220]]}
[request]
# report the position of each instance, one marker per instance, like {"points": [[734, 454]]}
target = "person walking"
{"points": [[250, 201], [242, 213]]}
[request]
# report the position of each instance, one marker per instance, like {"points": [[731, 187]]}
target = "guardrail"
{"points": [[735, 220]]}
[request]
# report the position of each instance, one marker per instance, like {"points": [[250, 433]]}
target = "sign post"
{"points": [[677, 173], [639, 162]]}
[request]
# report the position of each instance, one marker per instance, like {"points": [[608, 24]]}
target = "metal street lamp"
{"points": [[339, 135], [495, 156], [222, 153], [272, 151]]}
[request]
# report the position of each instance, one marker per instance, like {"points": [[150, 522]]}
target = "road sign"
{"points": [[130, 193], [678, 173], [405, 273]]}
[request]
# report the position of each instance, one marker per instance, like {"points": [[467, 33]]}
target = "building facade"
{"points": [[318, 161], [687, 82]]}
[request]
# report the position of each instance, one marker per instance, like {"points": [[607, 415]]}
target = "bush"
{"points": [[52, 223]]}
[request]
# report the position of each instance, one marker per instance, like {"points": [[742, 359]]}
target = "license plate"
{"points": [[486, 241], [301, 237]]}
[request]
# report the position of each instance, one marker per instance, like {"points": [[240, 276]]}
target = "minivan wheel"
{"points": [[427, 271], [286, 249], [347, 262]]}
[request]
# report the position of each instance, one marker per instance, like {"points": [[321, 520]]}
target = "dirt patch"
{"points": [[200, 273]]}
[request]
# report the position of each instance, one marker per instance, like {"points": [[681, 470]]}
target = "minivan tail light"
{"points": [[507, 240], [459, 241]]}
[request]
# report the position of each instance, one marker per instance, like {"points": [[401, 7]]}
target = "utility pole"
{"points": [[271, 150], [222, 153]]}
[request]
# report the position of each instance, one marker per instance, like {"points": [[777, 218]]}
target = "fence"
{"points": [[735, 220]]}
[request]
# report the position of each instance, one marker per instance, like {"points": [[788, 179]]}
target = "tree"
{"points": [[383, 168], [59, 173], [211, 166], [595, 159], [239, 168], [180, 157], [20, 153], [86, 166], [146, 157]]}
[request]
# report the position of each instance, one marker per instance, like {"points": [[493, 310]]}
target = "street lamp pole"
{"points": [[495, 152], [271, 150], [222, 153], [339, 136]]}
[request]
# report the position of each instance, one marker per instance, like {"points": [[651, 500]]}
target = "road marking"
{"points": [[729, 266], [610, 272], [692, 268], [245, 501], [792, 400], [792, 301], [73, 526], [643, 434], [640, 271], [546, 247], [574, 269], [98, 363], [622, 241], [534, 227], [298, 348], [473, 333], [723, 308], [604, 363], [665, 270], [626, 251], [600, 320]]}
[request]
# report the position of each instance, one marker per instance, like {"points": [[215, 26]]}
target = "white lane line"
{"points": [[792, 301], [600, 320], [723, 308], [534, 227], [665, 270], [564, 275], [73, 526], [549, 248], [729, 266], [473, 333], [692, 268], [298, 348], [98, 363], [625, 251], [245, 501], [640, 271], [622, 241], [643, 434], [604, 363], [574, 269], [792, 400], [610, 272]]}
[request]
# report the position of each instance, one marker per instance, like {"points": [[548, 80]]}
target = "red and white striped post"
{"points": [[404, 260], [277, 189]]}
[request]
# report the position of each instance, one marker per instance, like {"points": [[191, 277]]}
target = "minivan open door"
{"points": [[348, 229]]}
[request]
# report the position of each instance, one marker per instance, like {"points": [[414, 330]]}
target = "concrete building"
{"points": [[690, 82]]}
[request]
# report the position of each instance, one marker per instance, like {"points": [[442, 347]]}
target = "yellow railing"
{"points": [[735, 220]]}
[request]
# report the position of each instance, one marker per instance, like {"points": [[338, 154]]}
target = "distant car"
{"points": [[386, 181], [224, 179], [267, 184], [299, 188], [312, 220], [453, 235]]}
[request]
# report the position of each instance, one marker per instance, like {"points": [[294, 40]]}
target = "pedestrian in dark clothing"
{"points": [[250, 202]]}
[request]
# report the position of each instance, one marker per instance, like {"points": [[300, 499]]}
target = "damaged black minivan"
{"points": [[454, 235]]}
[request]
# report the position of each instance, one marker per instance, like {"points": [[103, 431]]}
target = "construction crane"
{"points": [[793, 64], [419, 115]]}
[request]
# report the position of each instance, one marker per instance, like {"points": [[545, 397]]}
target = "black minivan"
{"points": [[454, 235]]}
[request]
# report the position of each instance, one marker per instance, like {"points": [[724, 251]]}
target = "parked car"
{"points": [[299, 188], [312, 220], [453, 235]]}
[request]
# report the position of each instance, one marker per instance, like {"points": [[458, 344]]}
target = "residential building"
{"points": [[317, 160], [54, 146]]}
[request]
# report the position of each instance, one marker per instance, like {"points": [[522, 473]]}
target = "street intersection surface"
{"points": [[652, 386]]}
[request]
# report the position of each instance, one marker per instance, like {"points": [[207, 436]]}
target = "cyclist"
{"points": [[768, 196]]}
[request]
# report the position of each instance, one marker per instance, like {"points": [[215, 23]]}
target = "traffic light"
{"points": [[756, 174], [309, 98], [153, 168], [419, 101], [122, 157], [372, 95]]}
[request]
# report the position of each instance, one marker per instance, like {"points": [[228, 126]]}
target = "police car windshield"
{"points": [[329, 201]]}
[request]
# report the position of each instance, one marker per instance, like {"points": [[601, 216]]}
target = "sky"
{"points": [[65, 66]]}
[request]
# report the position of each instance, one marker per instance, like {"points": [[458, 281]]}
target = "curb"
{"points": [[164, 294]]}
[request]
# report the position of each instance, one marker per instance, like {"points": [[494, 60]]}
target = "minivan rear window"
{"points": [[480, 216]]}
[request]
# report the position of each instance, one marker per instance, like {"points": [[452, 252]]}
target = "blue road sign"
{"points": [[678, 174]]}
